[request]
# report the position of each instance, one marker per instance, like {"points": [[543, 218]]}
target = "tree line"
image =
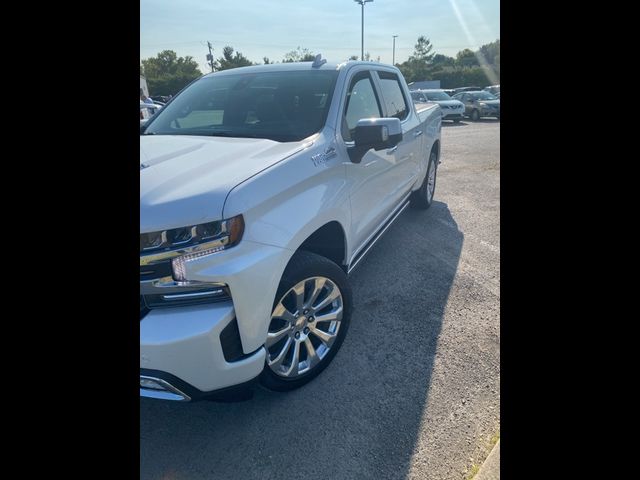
{"points": [[166, 73], [468, 68]]}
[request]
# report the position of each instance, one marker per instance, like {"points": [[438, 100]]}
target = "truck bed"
{"points": [[424, 110]]}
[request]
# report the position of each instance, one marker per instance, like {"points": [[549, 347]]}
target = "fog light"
{"points": [[151, 384]]}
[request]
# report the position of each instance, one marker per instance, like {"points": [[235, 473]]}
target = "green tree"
{"points": [[441, 61], [491, 52], [422, 51], [167, 74], [229, 60], [299, 55], [466, 58], [419, 65]]}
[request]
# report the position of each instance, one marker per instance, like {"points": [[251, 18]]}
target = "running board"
{"points": [[376, 237]]}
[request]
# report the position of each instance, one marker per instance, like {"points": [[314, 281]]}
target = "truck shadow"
{"points": [[361, 417]]}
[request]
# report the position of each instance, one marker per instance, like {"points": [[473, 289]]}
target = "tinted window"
{"points": [[392, 95], [435, 96], [282, 106], [418, 97], [361, 103], [483, 96]]}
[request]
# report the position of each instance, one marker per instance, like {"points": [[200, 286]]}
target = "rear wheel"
{"points": [[423, 197], [309, 321]]}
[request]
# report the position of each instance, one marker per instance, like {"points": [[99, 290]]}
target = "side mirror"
{"points": [[376, 133]]}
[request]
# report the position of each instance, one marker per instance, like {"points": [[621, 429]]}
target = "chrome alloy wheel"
{"points": [[304, 325]]}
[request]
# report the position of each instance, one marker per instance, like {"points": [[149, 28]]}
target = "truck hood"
{"points": [[184, 180]]}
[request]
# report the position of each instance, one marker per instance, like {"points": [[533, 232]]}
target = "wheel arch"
{"points": [[329, 241], [436, 147]]}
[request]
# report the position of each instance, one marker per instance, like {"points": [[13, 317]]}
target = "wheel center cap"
{"points": [[301, 322]]}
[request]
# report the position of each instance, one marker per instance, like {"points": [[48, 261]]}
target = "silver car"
{"points": [[451, 109]]}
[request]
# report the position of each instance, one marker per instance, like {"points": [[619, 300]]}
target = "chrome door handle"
{"points": [[418, 133], [392, 149]]}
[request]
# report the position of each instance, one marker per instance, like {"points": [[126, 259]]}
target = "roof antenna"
{"points": [[319, 61]]}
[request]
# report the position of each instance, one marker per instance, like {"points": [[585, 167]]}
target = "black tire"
{"points": [[457, 120], [304, 265], [421, 198], [475, 115]]}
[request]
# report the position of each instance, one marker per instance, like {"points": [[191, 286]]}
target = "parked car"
{"points": [[466, 89], [479, 104], [160, 99], [261, 189], [451, 109], [493, 89]]}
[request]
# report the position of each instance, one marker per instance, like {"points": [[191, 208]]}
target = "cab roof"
{"points": [[293, 66]]}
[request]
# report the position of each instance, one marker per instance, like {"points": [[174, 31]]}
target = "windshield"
{"points": [[282, 106], [435, 96], [483, 96]]}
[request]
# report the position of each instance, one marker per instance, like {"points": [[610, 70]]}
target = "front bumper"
{"points": [[452, 116], [186, 343], [490, 112]]}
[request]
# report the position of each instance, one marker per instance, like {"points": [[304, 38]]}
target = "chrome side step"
{"points": [[361, 254]]}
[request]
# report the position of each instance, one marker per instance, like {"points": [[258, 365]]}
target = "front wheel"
{"points": [[475, 115], [423, 197], [309, 321]]}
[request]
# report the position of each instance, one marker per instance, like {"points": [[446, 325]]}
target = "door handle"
{"points": [[392, 149], [417, 133]]}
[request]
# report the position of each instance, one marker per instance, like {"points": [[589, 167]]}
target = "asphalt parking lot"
{"points": [[414, 392]]}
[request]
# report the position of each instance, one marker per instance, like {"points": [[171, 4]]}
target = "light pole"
{"points": [[393, 62], [362, 2]]}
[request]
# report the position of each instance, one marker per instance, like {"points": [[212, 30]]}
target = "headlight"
{"points": [[185, 244], [482, 104]]}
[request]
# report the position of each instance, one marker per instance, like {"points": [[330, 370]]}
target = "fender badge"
{"points": [[322, 158]]}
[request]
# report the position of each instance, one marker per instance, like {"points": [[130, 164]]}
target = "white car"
{"points": [[261, 189], [451, 109]]}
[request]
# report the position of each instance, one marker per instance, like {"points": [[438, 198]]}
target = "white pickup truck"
{"points": [[261, 188]]}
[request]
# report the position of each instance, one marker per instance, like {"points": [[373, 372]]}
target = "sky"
{"points": [[263, 28]]}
